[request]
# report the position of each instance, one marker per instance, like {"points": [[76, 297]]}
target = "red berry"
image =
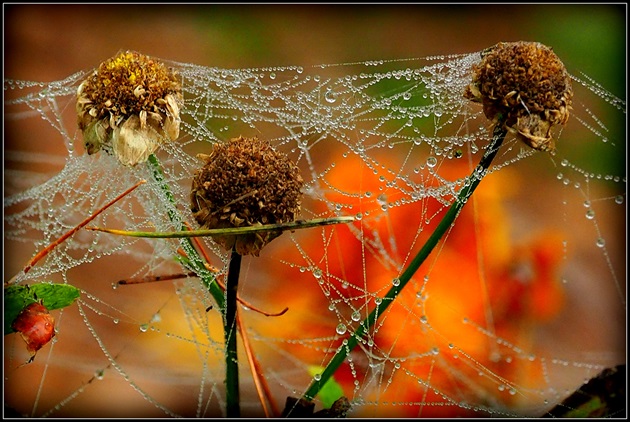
{"points": [[36, 326]]}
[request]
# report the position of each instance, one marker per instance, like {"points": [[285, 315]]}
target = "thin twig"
{"points": [[260, 382], [155, 278], [57, 242]]}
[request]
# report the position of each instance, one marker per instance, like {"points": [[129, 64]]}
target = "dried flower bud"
{"points": [[36, 326], [129, 106], [526, 83], [245, 182]]}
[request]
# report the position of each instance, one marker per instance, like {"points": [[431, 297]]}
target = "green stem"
{"points": [[442, 228], [193, 262], [292, 225], [231, 362]]}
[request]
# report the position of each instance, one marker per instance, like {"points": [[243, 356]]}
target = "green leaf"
{"points": [[52, 296], [330, 392]]}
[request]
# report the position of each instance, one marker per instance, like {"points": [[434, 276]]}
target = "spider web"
{"points": [[493, 324]]}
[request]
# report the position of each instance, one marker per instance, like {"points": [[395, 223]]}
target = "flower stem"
{"points": [[193, 261], [444, 225], [231, 361]]}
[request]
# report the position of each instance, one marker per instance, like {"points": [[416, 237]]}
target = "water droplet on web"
{"points": [[619, 199], [356, 316], [341, 329], [115, 321], [272, 75], [114, 286], [317, 377], [378, 300], [587, 204], [424, 319], [590, 214], [99, 374], [600, 242], [144, 327], [330, 96], [431, 162], [396, 281], [406, 95], [358, 216]]}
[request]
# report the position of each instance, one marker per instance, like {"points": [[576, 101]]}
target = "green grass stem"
{"points": [[444, 225]]}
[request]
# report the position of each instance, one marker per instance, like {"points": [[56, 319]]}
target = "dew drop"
{"points": [[590, 214], [341, 329], [330, 96], [587, 204], [431, 162], [317, 273], [356, 316], [424, 319], [99, 374], [619, 199], [272, 75], [116, 321], [144, 327], [358, 216], [600, 242], [378, 300], [317, 377], [396, 281]]}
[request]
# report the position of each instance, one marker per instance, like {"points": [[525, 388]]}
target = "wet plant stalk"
{"points": [[193, 262], [231, 362], [444, 225]]}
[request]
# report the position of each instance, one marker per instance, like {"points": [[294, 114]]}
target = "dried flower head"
{"points": [[528, 85], [245, 182], [129, 106]]}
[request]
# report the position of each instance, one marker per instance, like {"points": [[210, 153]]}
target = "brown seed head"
{"points": [[130, 104], [245, 182], [527, 84]]}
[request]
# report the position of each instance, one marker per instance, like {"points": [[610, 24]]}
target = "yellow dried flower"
{"points": [[245, 182], [129, 106], [526, 83]]}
